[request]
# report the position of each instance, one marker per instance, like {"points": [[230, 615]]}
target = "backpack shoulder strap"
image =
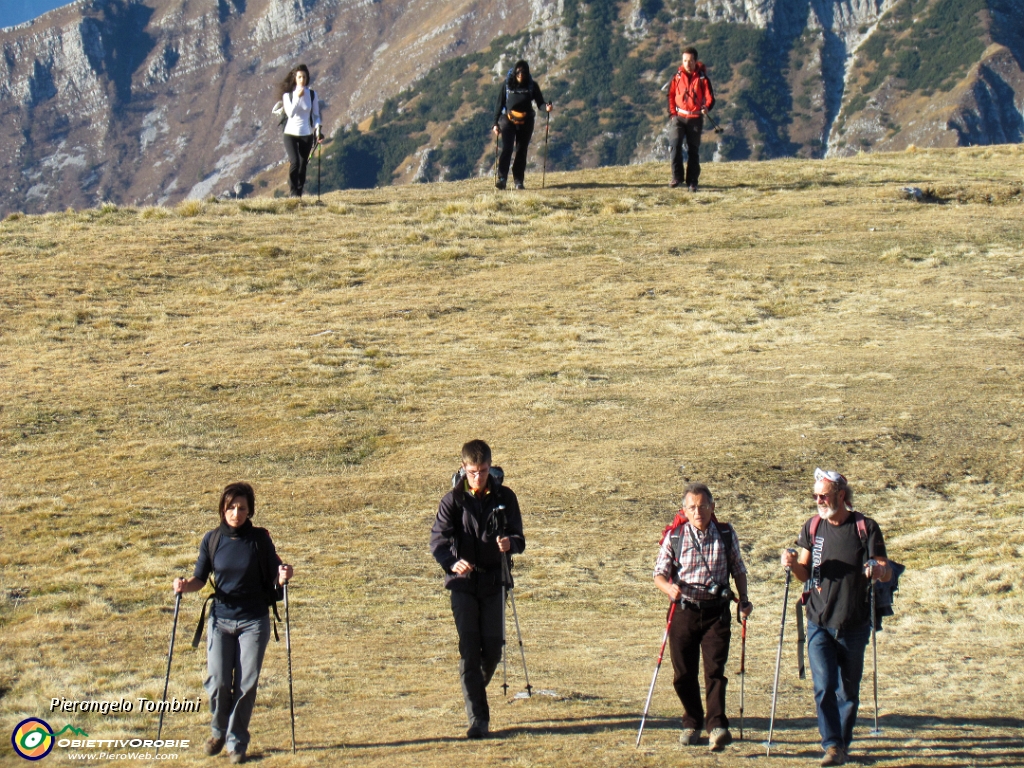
{"points": [[677, 545], [211, 549], [212, 542], [725, 533], [815, 522], [267, 570], [862, 528]]}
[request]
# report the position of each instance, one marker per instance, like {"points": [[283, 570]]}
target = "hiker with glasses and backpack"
{"points": [[300, 109], [840, 553], [247, 578], [478, 525], [698, 554], [514, 122]]}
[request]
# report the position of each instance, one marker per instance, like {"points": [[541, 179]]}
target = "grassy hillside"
{"points": [[611, 339]]}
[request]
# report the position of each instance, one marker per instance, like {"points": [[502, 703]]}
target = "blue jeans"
{"points": [[837, 664], [234, 656]]}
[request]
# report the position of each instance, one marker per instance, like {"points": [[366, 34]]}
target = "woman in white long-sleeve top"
{"points": [[302, 129]]}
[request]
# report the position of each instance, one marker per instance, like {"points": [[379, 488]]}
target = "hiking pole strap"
{"points": [[202, 621], [800, 638]]}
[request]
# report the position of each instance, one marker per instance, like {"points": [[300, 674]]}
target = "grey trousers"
{"points": [[478, 621], [234, 657]]}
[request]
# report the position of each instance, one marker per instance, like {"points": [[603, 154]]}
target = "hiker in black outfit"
{"points": [[247, 578], [514, 120], [478, 523]]}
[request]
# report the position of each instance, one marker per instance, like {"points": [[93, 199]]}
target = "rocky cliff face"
{"points": [[152, 101]]}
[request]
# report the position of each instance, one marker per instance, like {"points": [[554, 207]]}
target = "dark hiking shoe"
{"points": [[688, 737], [213, 745], [236, 758], [719, 738], [477, 731], [520, 185], [693, 187], [500, 183], [673, 184], [834, 756]]}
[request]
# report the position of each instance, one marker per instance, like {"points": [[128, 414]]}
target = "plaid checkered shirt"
{"points": [[693, 575]]}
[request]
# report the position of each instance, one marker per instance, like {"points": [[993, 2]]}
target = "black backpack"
{"points": [[267, 570]]}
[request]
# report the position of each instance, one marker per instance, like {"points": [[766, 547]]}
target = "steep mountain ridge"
{"points": [[151, 101]]}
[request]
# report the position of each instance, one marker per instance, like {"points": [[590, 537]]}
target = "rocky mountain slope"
{"points": [[811, 79], [151, 101]]}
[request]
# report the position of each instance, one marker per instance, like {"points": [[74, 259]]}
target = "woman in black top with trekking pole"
{"points": [[248, 576], [514, 121]]}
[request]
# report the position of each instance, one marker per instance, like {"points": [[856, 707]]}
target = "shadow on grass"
{"points": [[934, 750]]}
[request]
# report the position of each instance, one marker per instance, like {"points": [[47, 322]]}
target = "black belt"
{"points": [[705, 605]]}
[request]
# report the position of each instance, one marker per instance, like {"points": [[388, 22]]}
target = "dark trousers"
{"points": [[298, 149], [514, 137], [688, 129], [694, 633], [478, 622]]}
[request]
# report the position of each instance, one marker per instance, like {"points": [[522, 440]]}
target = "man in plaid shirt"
{"points": [[697, 556]]}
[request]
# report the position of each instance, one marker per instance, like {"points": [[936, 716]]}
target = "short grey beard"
{"points": [[828, 514]]}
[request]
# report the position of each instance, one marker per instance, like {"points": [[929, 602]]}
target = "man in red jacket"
{"points": [[689, 98]]}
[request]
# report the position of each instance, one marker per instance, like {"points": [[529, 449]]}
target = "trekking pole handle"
{"points": [[870, 566], [790, 551]]}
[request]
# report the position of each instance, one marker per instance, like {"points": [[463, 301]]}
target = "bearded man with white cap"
{"points": [[837, 561]]}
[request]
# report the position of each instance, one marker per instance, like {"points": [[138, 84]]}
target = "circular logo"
{"points": [[32, 738]]}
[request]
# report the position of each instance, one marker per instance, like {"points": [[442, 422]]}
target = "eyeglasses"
{"points": [[695, 508], [820, 496]]}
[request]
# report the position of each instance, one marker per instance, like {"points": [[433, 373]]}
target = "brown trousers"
{"points": [[693, 633]]}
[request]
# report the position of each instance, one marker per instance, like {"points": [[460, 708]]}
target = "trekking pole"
{"points": [[504, 639], [170, 655], [495, 157], [874, 651], [716, 126], [657, 668], [319, 156], [778, 659], [515, 617], [743, 671], [547, 127], [288, 646]]}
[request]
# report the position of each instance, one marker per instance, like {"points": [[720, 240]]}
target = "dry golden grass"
{"points": [[610, 338]]}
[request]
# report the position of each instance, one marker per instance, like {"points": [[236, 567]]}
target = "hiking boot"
{"points": [[719, 738], [236, 758], [520, 185], [834, 756], [674, 183], [688, 737], [478, 730], [500, 183], [213, 745], [692, 187]]}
